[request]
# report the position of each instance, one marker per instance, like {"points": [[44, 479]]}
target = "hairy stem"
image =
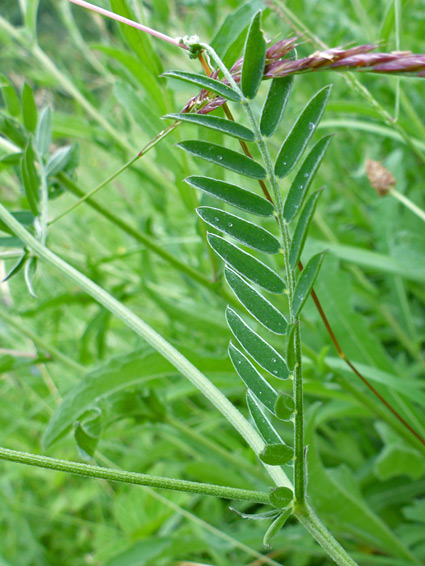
{"points": [[89, 471]]}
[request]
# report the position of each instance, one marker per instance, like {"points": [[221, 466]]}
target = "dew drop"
{"points": [[216, 219], [230, 224], [311, 125], [305, 175], [220, 157], [275, 372], [284, 162], [301, 186], [274, 360]]}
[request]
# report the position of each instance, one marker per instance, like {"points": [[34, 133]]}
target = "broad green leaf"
{"points": [[276, 454], [253, 379], [245, 200], [305, 282], [281, 497], [301, 229], [29, 109], [264, 354], [247, 265], [122, 372], [225, 157], [43, 136], [246, 232], [264, 426], [298, 138], [260, 308], [30, 179], [58, 160], [254, 58], [275, 527], [275, 104], [204, 82], [87, 433], [11, 98], [397, 458], [216, 123], [300, 185]]}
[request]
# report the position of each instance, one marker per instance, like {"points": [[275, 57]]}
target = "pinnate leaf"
{"points": [[300, 185], [260, 308], [298, 138], [247, 265], [301, 229], [245, 200], [204, 82], [246, 232], [225, 157], [275, 104], [305, 282], [254, 58], [264, 354], [216, 123]]}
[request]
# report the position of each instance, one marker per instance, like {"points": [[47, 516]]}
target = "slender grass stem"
{"points": [[89, 471], [408, 204]]}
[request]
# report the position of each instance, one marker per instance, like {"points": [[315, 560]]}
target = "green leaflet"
{"points": [[301, 229], [275, 104], [11, 98], [245, 200], [29, 109], [254, 381], [264, 426], [215, 123], [285, 406], [225, 157], [300, 185], [246, 232], [247, 265], [298, 138], [204, 82], [276, 454], [259, 307], [254, 58], [43, 135], [281, 496], [276, 526], [264, 354], [30, 179], [305, 282]]}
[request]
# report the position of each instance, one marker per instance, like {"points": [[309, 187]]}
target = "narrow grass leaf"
{"points": [[225, 157], [29, 109], [275, 104], [300, 185], [205, 83], [264, 426], [301, 229], [247, 265], [264, 354], [43, 136], [298, 138], [254, 58], [254, 381], [246, 232], [275, 527], [30, 179], [216, 123], [241, 198], [305, 282], [259, 307]]}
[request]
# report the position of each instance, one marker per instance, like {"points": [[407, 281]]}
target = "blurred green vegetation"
{"points": [[107, 98]]}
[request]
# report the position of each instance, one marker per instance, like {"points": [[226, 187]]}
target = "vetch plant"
{"points": [[270, 287]]}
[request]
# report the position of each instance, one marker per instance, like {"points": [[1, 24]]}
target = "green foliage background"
{"points": [[366, 481]]}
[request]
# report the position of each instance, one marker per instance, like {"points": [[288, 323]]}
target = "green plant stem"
{"points": [[317, 529], [89, 471], [42, 344], [408, 203], [214, 395]]}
